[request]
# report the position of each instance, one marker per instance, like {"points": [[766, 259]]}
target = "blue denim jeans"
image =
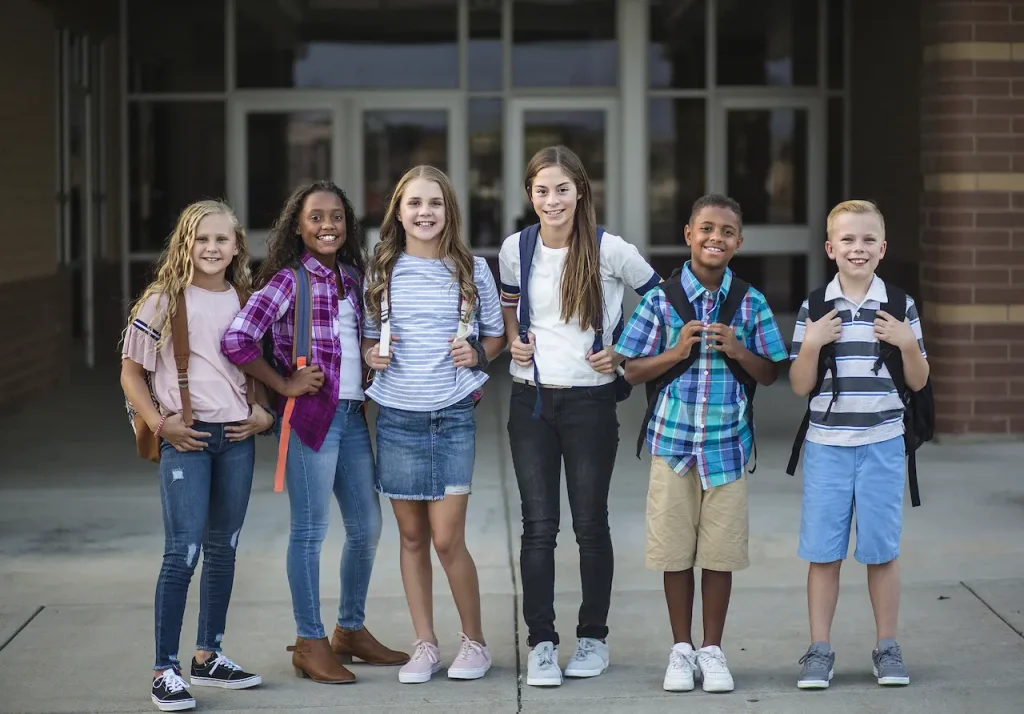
{"points": [[204, 495], [345, 466]]}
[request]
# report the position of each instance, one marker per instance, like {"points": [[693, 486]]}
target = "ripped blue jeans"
{"points": [[204, 495]]}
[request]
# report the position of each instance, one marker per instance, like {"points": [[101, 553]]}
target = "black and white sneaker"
{"points": [[219, 671], [170, 692]]}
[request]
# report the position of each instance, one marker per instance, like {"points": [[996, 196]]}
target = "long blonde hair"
{"points": [[453, 251], [175, 268], [581, 276]]}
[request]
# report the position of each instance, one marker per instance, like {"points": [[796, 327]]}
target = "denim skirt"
{"points": [[425, 456]]}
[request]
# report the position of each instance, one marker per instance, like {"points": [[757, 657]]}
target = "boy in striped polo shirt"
{"points": [[854, 451], [700, 433]]}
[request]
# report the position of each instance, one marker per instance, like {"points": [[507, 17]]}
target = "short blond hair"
{"points": [[854, 206]]}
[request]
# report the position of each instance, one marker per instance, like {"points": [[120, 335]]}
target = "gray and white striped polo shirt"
{"points": [[869, 409]]}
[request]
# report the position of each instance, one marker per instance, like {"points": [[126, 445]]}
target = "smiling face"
{"points": [[322, 225], [714, 237], [422, 210], [215, 246], [856, 242], [554, 196]]}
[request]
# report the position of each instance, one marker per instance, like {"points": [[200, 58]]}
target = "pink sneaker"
{"points": [[472, 662], [424, 663]]}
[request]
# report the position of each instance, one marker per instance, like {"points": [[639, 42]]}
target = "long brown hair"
{"points": [[453, 251], [581, 275], [285, 246], [175, 268]]}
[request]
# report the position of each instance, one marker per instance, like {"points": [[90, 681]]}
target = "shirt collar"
{"points": [[693, 286], [876, 291], [315, 266]]}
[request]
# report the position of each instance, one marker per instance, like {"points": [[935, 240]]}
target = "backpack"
{"points": [[147, 444], [527, 247], [673, 288], [919, 407]]}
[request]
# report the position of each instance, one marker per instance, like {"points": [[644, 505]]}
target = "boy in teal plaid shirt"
{"points": [[699, 434]]}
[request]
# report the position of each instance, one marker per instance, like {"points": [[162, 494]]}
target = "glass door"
{"points": [[588, 126], [276, 143], [769, 154], [392, 134]]}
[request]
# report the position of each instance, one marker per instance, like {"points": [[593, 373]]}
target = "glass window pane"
{"points": [[564, 44], [678, 46], [283, 151], [766, 164], [582, 131], [485, 53], [836, 168], [176, 46], [176, 156], [676, 165], [770, 42], [486, 196], [348, 43], [393, 142], [836, 44]]}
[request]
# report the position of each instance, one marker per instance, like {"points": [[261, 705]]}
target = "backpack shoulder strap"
{"points": [[889, 355], [179, 338], [527, 247], [816, 307], [599, 332], [302, 342], [726, 314]]}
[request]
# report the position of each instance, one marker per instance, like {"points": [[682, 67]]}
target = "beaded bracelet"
{"points": [[160, 426]]}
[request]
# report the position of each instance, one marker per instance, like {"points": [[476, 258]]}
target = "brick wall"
{"points": [[34, 301], [972, 213]]}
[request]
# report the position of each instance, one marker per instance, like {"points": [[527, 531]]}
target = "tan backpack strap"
{"points": [[179, 338]]}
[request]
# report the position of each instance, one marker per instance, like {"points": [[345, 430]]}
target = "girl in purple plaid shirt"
{"points": [[317, 237]]}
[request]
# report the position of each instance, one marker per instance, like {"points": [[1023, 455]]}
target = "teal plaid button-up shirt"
{"points": [[700, 418]]}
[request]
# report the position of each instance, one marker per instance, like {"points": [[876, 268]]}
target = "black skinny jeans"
{"points": [[580, 426]]}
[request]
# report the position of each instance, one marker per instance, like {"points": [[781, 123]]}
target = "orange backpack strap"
{"points": [[179, 338], [302, 354]]}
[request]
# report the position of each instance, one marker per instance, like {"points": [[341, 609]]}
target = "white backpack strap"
{"points": [[384, 347], [465, 328]]}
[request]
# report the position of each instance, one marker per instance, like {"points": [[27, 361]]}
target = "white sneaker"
{"points": [[681, 665], [713, 669], [590, 659], [542, 666]]}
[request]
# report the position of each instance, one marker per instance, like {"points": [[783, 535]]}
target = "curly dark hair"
{"points": [[285, 246]]}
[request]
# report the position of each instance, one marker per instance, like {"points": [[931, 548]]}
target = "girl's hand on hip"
{"points": [[181, 437], [259, 421]]}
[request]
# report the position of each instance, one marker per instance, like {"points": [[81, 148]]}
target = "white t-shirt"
{"points": [[560, 348], [350, 386]]}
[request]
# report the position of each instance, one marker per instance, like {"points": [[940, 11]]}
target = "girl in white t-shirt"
{"points": [[575, 295], [206, 468]]}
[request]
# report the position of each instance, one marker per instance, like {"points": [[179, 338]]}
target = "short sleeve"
{"points": [[625, 263], [798, 330], [915, 325], [140, 342], [489, 319], [508, 271], [765, 338], [641, 337]]}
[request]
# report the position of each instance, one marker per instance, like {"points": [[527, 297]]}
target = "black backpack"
{"points": [[676, 295], [919, 407]]}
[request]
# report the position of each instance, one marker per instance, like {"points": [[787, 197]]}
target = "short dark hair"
{"points": [[717, 200]]}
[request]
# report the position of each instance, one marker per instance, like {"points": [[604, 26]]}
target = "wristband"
{"points": [[160, 426]]}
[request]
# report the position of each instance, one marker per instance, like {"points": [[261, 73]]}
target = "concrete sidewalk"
{"points": [[81, 539]]}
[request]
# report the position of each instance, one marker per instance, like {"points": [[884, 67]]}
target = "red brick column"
{"points": [[972, 206]]}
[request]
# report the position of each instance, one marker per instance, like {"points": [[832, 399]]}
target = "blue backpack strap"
{"points": [[527, 247], [599, 332], [302, 343]]}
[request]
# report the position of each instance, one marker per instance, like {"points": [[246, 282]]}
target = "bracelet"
{"points": [[366, 358], [160, 426]]}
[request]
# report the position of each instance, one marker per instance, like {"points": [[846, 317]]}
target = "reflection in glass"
{"points": [[485, 52], [283, 151], [394, 141], [175, 46], [176, 155], [584, 133], [676, 166], [564, 44], [348, 43], [485, 173], [677, 50], [770, 42], [766, 165]]}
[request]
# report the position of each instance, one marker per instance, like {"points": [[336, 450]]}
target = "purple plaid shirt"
{"points": [[272, 308]]}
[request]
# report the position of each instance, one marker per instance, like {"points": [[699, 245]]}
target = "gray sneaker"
{"points": [[888, 664], [542, 666], [818, 662]]}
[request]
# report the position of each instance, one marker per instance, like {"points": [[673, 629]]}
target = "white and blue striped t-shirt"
{"points": [[869, 409], [424, 314]]}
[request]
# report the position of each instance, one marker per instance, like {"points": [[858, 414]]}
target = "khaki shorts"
{"points": [[688, 526]]}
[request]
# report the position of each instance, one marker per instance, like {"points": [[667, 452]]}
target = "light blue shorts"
{"points": [[841, 479], [425, 456]]}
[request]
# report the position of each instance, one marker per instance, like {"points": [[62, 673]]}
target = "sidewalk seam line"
{"points": [[503, 478], [991, 609], [25, 624]]}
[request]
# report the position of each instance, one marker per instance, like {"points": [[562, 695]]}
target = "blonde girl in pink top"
{"points": [[206, 469]]}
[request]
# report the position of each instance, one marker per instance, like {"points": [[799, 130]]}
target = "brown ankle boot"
{"points": [[360, 643], [314, 659]]}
